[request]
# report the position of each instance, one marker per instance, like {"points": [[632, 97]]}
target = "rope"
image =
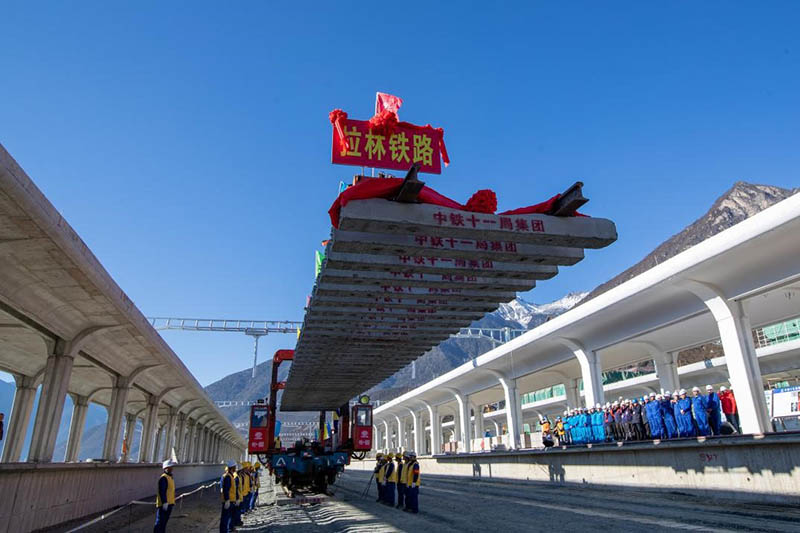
{"points": [[138, 502]]}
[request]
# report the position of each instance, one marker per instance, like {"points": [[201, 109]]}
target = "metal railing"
{"points": [[773, 334], [498, 336]]}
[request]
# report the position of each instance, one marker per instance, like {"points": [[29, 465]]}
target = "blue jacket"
{"points": [[699, 406]]}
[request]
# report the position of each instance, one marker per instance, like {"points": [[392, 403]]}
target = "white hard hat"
{"points": [[652, 394], [659, 397], [231, 463], [723, 388], [666, 393], [412, 453], [597, 406], [683, 391], [695, 389], [709, 387], [169, 463]]}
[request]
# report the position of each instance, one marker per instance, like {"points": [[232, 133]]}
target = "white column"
{"points": [[172, 420], [463, 421], [116, 411], [80, 406], [435, 428], [385, 435], [190, 439], [735, 332], [513, 409], [127, 439], [478, 409], [667, 370], [591, 372], [573, 393], [149, 430], [57, 373], [158, 446], [17, 426], [180, 428]]}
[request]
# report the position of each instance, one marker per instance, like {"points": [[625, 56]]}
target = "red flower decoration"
{"points": [[336, 115], [483, 201], [383, 123]]}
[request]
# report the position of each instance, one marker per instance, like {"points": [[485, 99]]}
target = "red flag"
{"points": [[389, 102]]}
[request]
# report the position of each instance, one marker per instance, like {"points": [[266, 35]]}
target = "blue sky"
{"points": [[188, 142]]}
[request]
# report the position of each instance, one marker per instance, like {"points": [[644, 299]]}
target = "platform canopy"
{"points": [[400, 278]]}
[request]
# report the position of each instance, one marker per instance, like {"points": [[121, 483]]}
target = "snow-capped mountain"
{"points": [[529, 315]]}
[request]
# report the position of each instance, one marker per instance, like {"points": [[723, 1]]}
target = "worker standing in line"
{"points": [[683, 415], [245, 478], [237, 509], [256, 483], [390, 477], [228, 492], [668, 415], [728, 402], [700, 412], [412, 483], [401, 482], [165, 497], [714, 413], [378, 471]]}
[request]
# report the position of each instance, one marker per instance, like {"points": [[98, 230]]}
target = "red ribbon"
{"points": [[337, 116]]}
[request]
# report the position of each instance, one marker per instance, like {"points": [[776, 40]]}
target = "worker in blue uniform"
{"points": [[713, 409], [229, 495], [656, 420], [683, 415], [668, 416], [412, 483], [165, 497], [390, 476], [700, 412], [401, 480], [598, 429]]}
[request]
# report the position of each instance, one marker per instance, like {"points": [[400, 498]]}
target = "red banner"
{"points": [[396, 151]]}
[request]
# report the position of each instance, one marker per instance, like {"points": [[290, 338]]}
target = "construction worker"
{"points": [[246, 492], [401, 481], [229, 495], [256, 483], [390, 480], [379, 475], [237, 509], [700, 411], [165, 497], [412, 483]]}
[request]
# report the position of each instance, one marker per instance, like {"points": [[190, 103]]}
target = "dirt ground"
{"points": [[466, 505]]}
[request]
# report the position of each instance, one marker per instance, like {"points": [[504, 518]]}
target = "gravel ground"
{"points": [[466, 505]]}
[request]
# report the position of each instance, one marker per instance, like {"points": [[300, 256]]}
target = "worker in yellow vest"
{"points": [[165, 497], [401, 480], [237, 509], [244, 506], [377, 473], [229, 496], [412, 483], [390, 477], [256, 483]]}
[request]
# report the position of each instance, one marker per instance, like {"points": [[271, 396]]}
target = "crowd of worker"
{"points": [[239, 490], [657, 416], [402, 478]]}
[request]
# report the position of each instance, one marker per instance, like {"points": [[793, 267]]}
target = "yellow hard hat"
{"points": [[378, 455], [245, 464], [257, 465], [398, 456]]}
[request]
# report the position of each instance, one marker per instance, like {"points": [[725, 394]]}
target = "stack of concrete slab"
{"points": [[400, 278]]}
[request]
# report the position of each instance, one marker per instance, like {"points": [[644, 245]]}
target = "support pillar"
{"points": [[180, 428], [667, 370], [513, 408], [57, 374], [17, 426], [80, 406], [573, 393], [149, 430], [436, 428], [462, 422], [417, 428], [190, 440], [591, 372], [735, 332], [158, 447], [169, 442], [127, 439], [478, 410], [386, 435], [116, 411]]}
